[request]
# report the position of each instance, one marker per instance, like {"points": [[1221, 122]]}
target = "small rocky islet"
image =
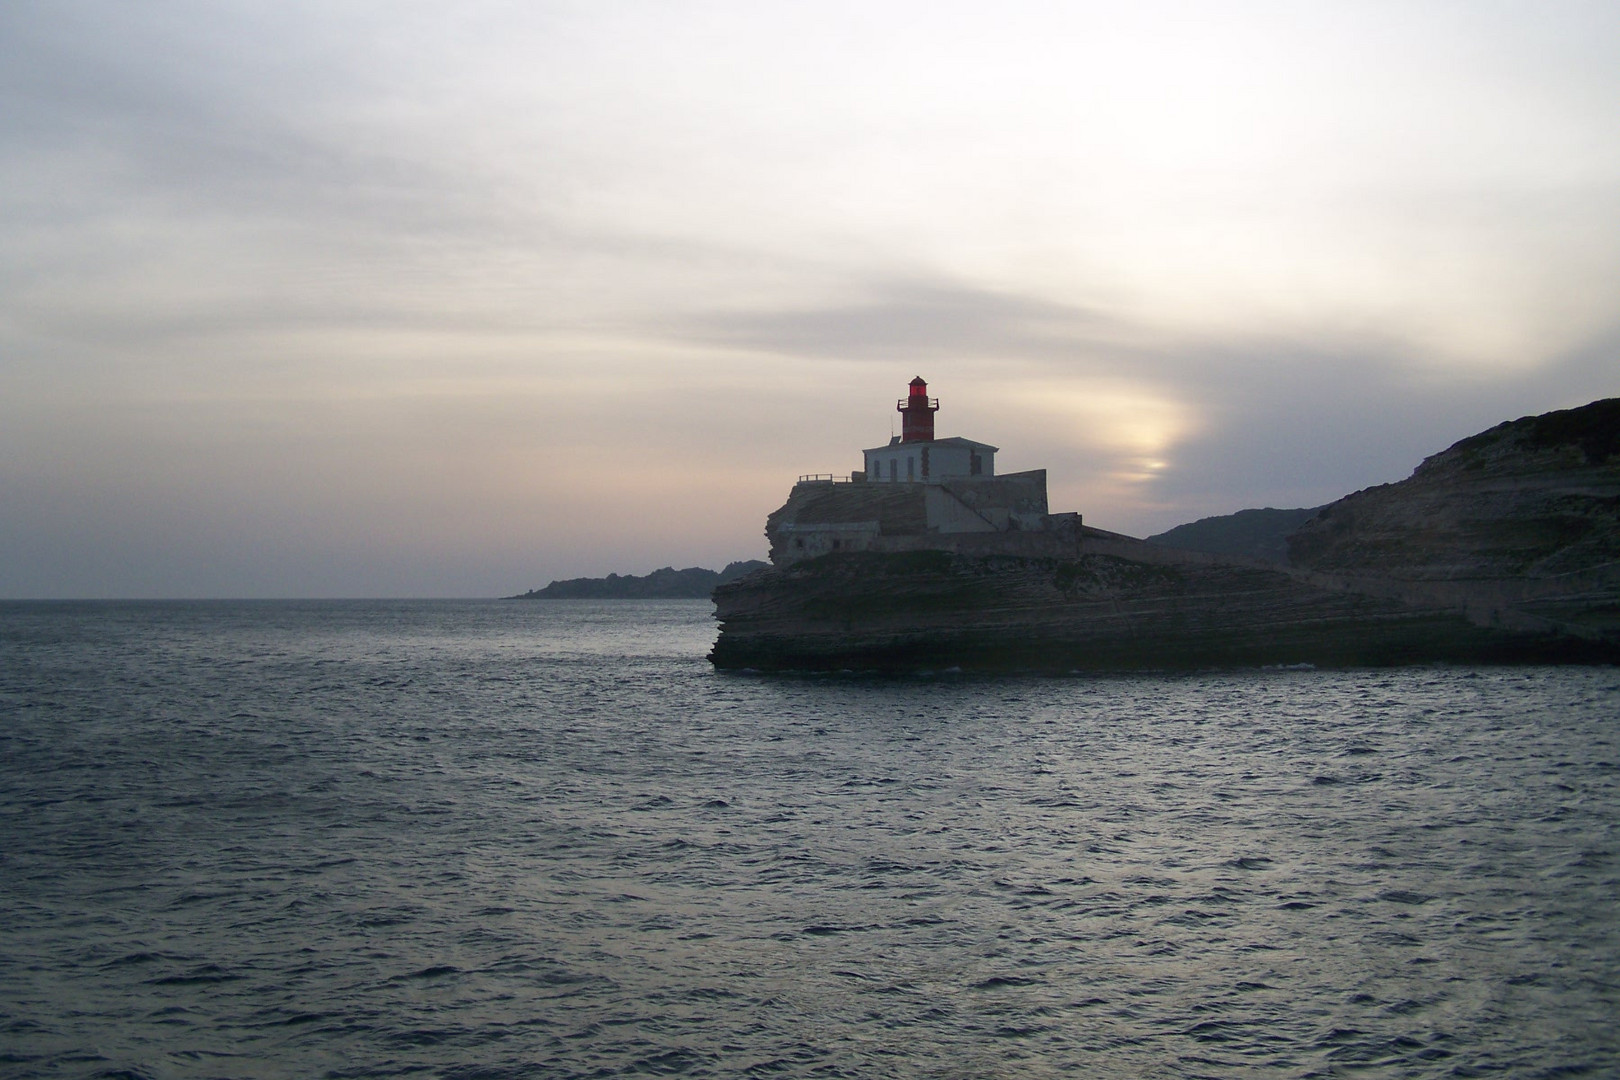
{"points": [[1503, 548]]}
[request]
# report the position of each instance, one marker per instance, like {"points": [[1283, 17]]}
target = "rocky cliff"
{"points": [[1518, 525], [1504, 548]]}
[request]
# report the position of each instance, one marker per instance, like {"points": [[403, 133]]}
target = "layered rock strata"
{"points": [[1504, 548], [1519, 526]]}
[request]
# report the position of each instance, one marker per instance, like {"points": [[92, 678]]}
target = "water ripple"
{"points": [[486, 840]]}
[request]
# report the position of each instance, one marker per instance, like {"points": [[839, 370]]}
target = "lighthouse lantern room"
{"points": [[917, 411]]}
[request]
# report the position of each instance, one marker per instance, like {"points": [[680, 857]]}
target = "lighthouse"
{"points": [[917, 411], [919, 492], [916, 456]]}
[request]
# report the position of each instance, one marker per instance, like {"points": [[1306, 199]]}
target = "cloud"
{"points": [[908, 319], [478, 292], [1144, 427]]}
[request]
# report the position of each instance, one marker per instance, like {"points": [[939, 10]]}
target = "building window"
{"points": [[911, 469], [893, 473], [976, 465]]}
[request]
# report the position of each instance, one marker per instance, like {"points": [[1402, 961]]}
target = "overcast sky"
{"points": [[427, 299]]}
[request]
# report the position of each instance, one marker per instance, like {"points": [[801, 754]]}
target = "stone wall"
{"points": [[982, 515]]}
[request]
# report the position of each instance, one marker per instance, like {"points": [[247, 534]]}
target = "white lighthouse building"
{"points": [[921, 493]]}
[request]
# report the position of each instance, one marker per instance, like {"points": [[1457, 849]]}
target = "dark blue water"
{"points": [[532, 839]]}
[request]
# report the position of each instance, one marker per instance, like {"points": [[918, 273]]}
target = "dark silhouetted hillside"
{"points": [[1249, 534], [693, 583]]}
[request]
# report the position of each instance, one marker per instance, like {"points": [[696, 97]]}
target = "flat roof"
{"points": [[954, 440]]}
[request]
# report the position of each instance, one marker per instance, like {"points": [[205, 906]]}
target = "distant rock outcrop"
{"points": [[1248, 534], [1504, 548], [693, 583]]}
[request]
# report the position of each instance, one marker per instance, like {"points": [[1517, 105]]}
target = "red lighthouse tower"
{"points": [[917, 413]]}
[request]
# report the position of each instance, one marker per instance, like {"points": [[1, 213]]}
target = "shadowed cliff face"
{"points": [[1504, 548], [1522, 520], [1098, 612], [1533, 498]]}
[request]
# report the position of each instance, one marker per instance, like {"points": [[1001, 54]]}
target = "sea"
{"points": [[503, 839]]}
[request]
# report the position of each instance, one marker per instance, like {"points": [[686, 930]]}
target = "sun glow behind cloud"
{"points": [[586, 285], [1108, 420]]}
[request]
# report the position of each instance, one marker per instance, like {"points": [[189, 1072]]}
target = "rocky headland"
{"points": [[692, 583], [1504, 548]]}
